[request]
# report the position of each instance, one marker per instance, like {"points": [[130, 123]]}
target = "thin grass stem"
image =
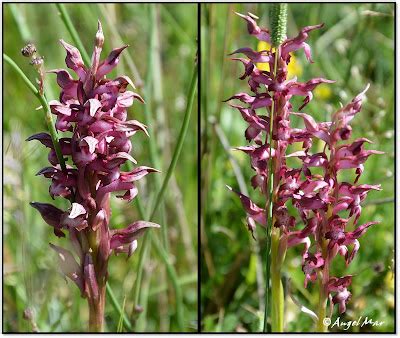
{"points": [[172, 275], [181, 139], [45, 106], [118, 308], [147, 237]]}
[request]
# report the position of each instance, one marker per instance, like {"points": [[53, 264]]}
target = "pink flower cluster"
{"points": [[94, 109], [330, 209]]}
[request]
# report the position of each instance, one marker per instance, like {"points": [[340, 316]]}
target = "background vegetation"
{"points": [[160, 60], [355, 47]]}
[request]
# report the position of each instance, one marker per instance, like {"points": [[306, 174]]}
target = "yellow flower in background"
{"points": [[294, 67], [263, 45], [323, 92]]}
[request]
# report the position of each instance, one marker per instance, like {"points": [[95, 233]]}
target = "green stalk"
{"points": [[45, 106], [323, 277], [278, 18], [321, 308], [269, 207], [148, 87], [74, 34], [277, 295]]}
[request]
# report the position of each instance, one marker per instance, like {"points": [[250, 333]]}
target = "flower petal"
{"points": [[77, 210], [255, 212], [130, 233], [73, 59], [137, 173], [51, 215], [69, 267], [110, 62], [91, 286], [43, 138]]}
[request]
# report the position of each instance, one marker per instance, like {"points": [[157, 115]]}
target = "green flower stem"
{"points": [[277, 296], [321, 308], [74, 34], [278, 18], [323, 277], [269, 206], [45, 106]]}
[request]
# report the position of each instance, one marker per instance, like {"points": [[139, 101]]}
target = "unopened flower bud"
{"points": [[99, 36], [37, 62], [29, 50]]}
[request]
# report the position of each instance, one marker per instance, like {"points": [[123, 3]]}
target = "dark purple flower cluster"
{"points": [[330, 209], [94, 109]]}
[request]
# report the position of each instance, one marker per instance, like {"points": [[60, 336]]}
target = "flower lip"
{"points": [[77, 210]]}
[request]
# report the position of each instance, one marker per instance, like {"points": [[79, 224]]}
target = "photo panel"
{"points": [[100, 160], [297, 167]]}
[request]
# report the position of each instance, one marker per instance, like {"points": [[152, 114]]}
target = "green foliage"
{"points": [[229, 298], [32, 278]]}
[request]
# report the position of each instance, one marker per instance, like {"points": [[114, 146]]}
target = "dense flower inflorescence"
{"points": [[94, 109], [329, 209]]}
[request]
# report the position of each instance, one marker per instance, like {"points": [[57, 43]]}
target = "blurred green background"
{"points": [[355, 47], [162, 76]]}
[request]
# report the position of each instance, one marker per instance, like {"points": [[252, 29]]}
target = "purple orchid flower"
{"points": [[327, 207], [94, 109]]}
